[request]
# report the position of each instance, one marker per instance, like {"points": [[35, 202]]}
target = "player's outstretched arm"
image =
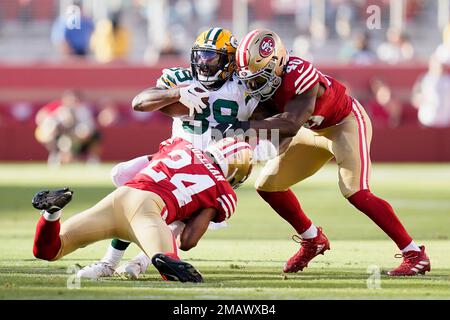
{"points": [[196, 228]]}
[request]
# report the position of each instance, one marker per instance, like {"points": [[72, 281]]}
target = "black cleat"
{"points": [[52, 201], [175, 270]]}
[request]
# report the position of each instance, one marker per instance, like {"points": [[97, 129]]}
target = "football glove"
{"points": [[192, 97]]}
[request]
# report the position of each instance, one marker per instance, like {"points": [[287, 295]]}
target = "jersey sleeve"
{"points": [[226, 205], [304, 77], [174, 77]]}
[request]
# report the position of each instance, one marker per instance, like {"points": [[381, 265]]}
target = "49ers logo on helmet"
{"points": [[267, 46]]}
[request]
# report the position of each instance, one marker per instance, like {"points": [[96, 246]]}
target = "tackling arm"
{"points": [[296, 114], [196, 228]]}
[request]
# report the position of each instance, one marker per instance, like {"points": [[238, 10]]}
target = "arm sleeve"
{"points": [[174, 77], [226, 205], [305, 78], [125, 171]]}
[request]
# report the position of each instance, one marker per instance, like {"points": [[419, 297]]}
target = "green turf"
{"points": [[243, 261]]}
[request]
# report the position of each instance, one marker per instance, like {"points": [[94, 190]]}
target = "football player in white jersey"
{"points": [[181, 93]]}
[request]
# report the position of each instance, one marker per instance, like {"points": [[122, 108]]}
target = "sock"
{"points": [[382, 214], [310, 233], [115, 252], [51, 216], [120, 244], [285, 203], [46, 239], [411, 247], [174, 253]]}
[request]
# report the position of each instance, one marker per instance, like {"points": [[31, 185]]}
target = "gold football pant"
{"points": [[126, 213], [348, 142]]}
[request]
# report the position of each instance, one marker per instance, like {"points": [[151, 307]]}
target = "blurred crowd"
{"points": [[76, 34], [130, 30], [70, 127]]}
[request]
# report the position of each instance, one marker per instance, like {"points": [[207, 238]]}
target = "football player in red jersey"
{"points": [[181, 183], [319, 121]]}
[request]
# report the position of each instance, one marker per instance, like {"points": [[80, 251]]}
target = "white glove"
{"points": [[191, 96]]}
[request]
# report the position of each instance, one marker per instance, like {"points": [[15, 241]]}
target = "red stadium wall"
{"points": [[42, 83]]}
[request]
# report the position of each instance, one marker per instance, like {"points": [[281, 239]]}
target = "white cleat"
{"points": [[96, 270], [134, 268]]}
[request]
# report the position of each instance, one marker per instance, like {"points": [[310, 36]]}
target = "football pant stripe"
{"points": [[362, 147], [360, 108]]}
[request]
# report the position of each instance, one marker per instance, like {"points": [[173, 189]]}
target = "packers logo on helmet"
{"points": [[213, 57]]}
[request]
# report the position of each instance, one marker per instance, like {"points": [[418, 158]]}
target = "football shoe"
{"points": [[96, 270], [175, 270], [310, 248], [52, 201], [414, 262], [133, 269]]}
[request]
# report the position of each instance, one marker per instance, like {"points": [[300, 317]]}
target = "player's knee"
{"points": [[267, 185], [349, 188], [347, 192]]}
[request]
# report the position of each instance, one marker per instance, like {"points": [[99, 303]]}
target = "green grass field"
{"points": [[243, 261]]}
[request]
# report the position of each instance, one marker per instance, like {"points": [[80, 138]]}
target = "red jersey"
{"points": [[330, 109], [187, 181]]}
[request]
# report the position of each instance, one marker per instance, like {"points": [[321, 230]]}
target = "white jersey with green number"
{"points": [[226, 104]]}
